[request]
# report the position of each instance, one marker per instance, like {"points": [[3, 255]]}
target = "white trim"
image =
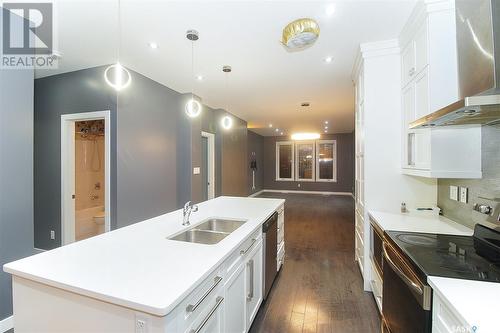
{"points": [[308, 192], [68, 170], [6, 324], [277, 161], [256, 193], [211, 163], [313, 167], [334, 161]]}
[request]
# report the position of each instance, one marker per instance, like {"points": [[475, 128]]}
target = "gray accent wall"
{"points": [[154, 147], [255, 151], [480, 190], [147, 150], [74, 92], [16, 173], [345, 167]]}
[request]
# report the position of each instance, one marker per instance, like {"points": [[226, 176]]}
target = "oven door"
{"points": [[406, 300]]}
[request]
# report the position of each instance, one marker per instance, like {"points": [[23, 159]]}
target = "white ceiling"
{"points": [[267, 84]]}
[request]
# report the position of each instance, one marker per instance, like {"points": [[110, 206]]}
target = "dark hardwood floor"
{"points": [[319, 288]]}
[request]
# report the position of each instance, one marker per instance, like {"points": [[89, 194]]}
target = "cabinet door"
{"points": [[408, 104], [408, 70], [253, 288], [421, 53], [234, 303], [422, 94]]}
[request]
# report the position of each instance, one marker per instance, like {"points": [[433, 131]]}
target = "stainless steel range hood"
{"points": [[478, 50]]}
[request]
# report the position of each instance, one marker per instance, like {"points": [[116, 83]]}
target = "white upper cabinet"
{"points": [[429, 81]]}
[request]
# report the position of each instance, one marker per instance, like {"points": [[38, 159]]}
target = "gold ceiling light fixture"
{"points": [[300, 34]]}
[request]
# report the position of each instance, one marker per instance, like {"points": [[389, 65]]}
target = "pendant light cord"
{"points": [[119, 29], [192, 70]]}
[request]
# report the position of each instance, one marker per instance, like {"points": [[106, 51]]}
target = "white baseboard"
{"points": [[6, 324], [256, 194], [308, 192]]}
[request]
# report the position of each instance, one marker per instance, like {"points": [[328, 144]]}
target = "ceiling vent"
{"points": [[300, 34]]}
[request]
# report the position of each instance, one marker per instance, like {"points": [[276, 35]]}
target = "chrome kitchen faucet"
{"points": [[186, 212]]}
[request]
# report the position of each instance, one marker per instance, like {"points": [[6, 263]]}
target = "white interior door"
{"points": [[210, 165], [68, 171]]}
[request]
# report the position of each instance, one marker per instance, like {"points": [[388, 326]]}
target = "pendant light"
{"points": [[117, 76], [226, 121], [193, 107]]}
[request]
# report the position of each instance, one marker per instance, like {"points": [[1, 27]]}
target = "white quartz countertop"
{"points": [[475, 303], [419, 222], [136, 266]]}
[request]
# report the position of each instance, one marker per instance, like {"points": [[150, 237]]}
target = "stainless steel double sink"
{"points": [[210, 231]]}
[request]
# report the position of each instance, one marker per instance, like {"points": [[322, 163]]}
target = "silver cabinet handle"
{"points": [[401, 274], [218, 302], [250, 269], [193, 307], [242, 252]]}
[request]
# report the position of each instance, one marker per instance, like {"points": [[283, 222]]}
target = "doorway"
{"points": [[208, 165], [85, 175]]}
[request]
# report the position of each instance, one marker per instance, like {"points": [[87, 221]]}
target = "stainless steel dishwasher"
{"points": [[270, 240]]}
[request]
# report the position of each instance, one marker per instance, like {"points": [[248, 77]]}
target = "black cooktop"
{"points": [[474, 257]]}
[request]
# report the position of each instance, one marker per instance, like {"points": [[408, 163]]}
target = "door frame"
{"points": [[211, 163], [68, 171]]}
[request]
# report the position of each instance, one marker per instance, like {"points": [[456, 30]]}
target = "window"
{"points": [[284, 160], [326, 161], [304, 161]]}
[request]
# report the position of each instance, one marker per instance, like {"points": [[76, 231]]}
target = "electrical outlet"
{"points": [[298, 185], [52, 234], [453, 192], [141, 324], [196, 170], [463, 194]]}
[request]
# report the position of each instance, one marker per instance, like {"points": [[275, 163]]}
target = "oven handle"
{"points": [[401, 274]]}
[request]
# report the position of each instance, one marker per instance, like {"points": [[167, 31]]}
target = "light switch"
{"points": [[463, 194], [453, 192], [196, 171]]}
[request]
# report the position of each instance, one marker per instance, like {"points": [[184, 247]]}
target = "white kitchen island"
{"points": [[134, 279]]}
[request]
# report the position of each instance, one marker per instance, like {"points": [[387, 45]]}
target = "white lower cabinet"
{"points": [[254, 284], [234, 303], [243, 290], [211, 320], [443, 318]]}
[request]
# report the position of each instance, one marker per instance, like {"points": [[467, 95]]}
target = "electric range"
{"points": [[409, 258], [474, 257]]}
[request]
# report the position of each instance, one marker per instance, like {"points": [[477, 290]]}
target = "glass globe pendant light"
{"points": [[227, 121], [193, 107], [116, 75]]}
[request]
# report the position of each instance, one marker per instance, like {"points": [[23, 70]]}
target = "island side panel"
{"points": [[41, 308]]}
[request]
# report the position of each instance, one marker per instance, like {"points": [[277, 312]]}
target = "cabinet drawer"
{"points": [[210, 317], [237, 256], [194, 304]]}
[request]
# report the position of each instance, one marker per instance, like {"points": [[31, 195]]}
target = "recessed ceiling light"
{"points": [[326, 127], [330, 9], [277, 130], [325, 131], [328, 59], [326, 122], [305, 136], [270, 125], [153, 45], [199, 77], [281, 133]]}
